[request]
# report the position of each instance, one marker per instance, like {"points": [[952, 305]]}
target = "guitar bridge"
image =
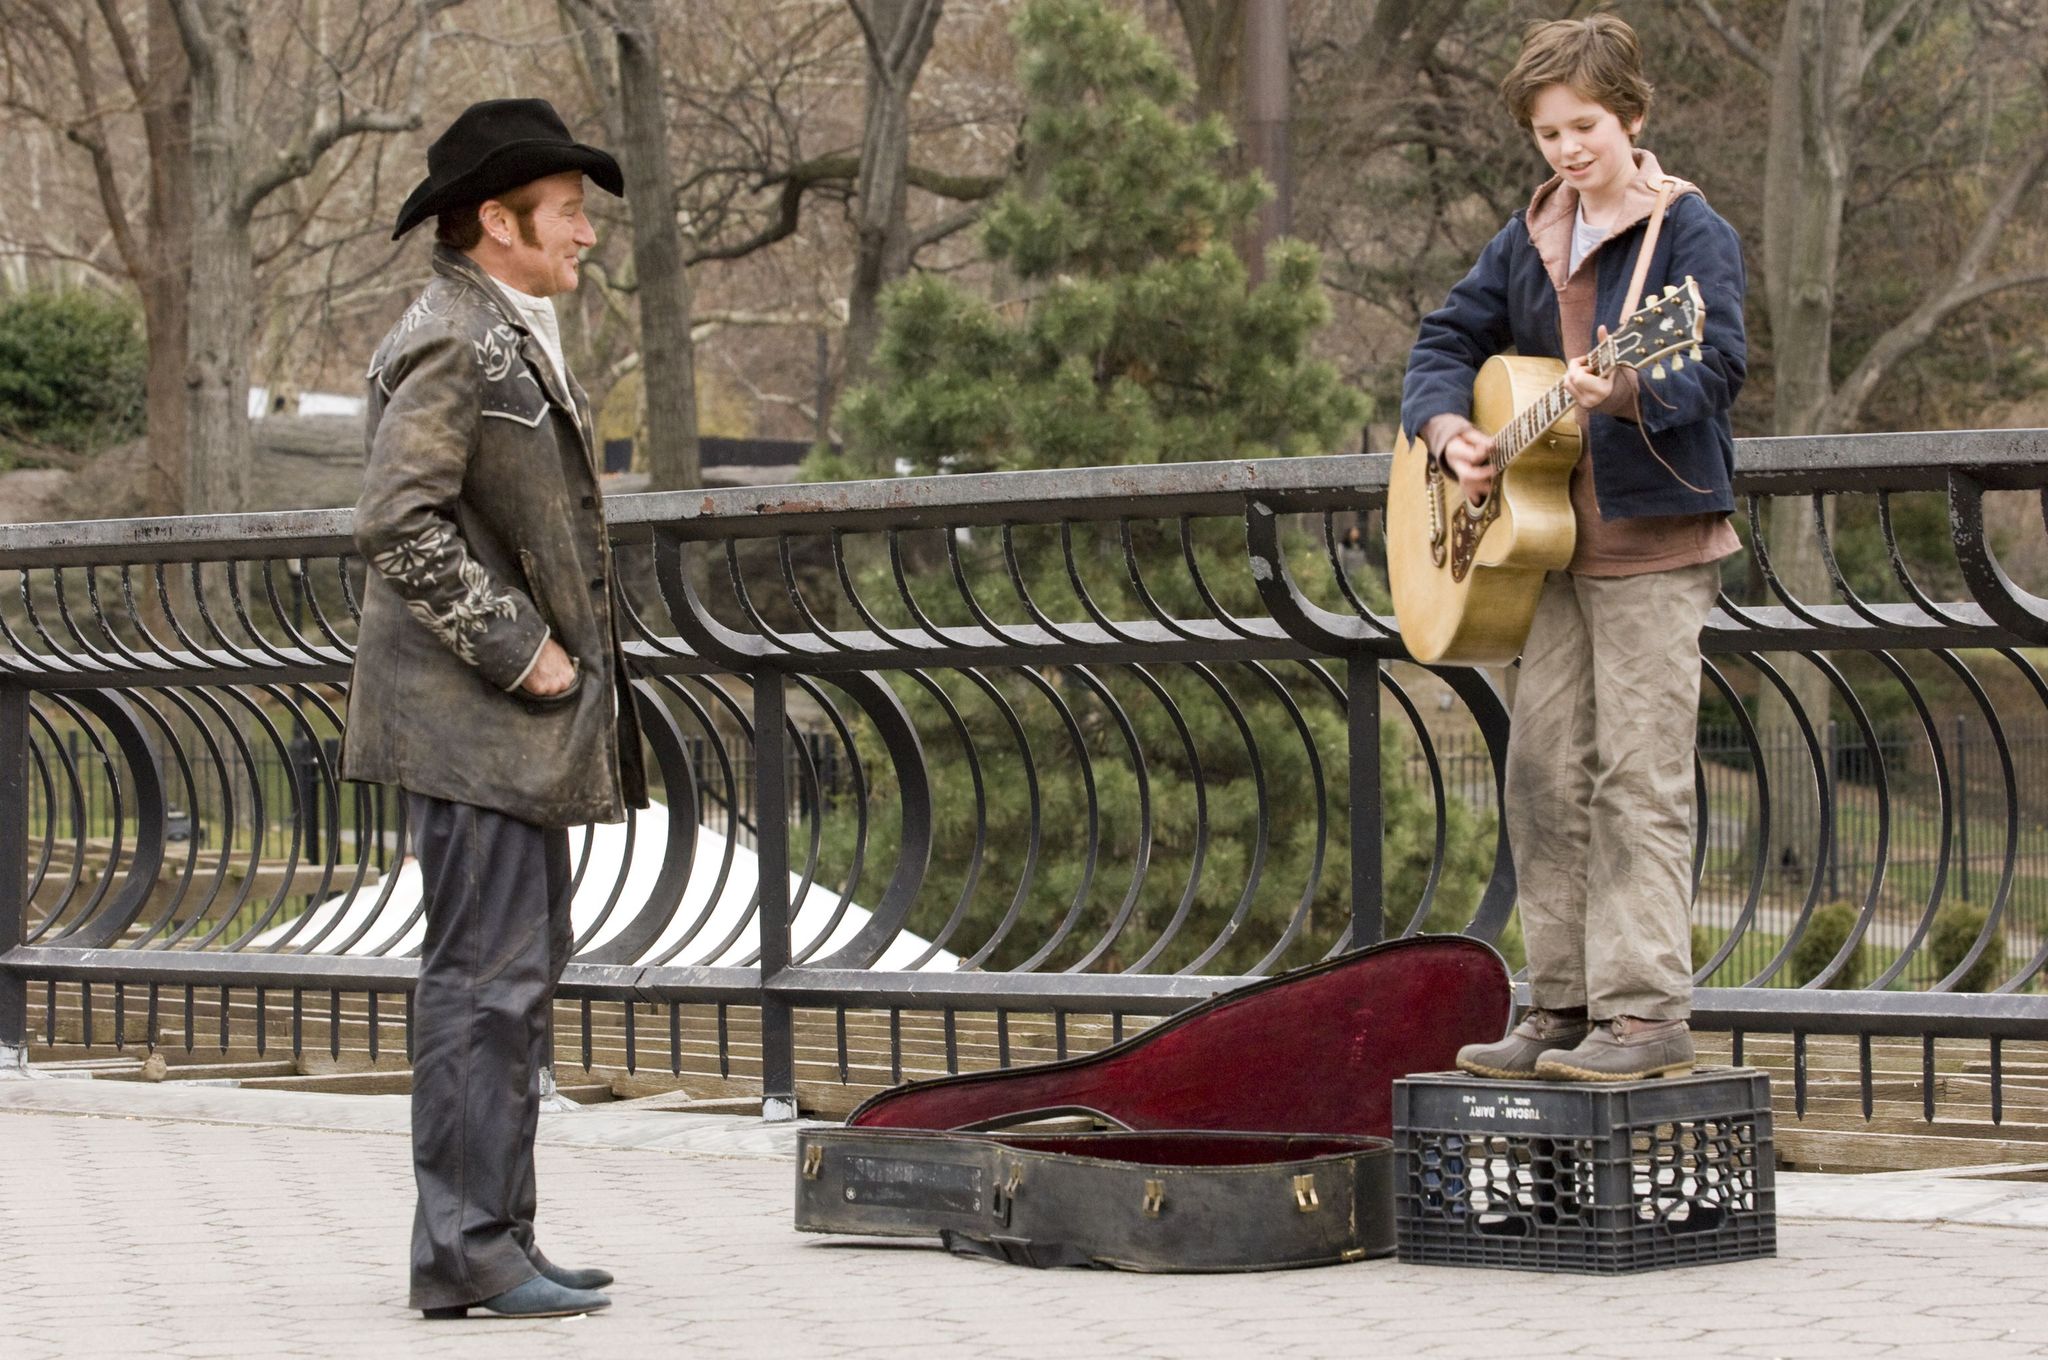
{"points": [[1466, 531]]}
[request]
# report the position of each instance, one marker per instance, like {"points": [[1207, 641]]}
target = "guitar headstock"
{"points": [[1670, 324]]}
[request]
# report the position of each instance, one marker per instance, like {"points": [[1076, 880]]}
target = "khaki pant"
{"points": [[1599, 797]]}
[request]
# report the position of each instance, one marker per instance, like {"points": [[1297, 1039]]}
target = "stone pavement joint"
{"points": [[149, 1221]]}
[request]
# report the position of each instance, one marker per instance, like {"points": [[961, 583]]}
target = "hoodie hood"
{"points": [[1555, 205]]}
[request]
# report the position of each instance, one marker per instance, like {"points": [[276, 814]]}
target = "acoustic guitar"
{"points": [[1466, 577]]}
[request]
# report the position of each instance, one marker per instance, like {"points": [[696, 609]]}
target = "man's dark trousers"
{"points": [[498, 937]]}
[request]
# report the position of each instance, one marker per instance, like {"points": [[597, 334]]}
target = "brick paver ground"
{"points": [[146, 1222]]}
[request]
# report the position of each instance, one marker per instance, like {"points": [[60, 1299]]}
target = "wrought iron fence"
{"points": [[1885, 827], [1093, 740]]}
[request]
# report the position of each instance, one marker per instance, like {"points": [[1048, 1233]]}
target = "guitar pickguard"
{"points": [[1467, 528]]}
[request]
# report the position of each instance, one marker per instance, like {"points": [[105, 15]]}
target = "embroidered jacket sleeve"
{"points": [[1472, 326], [405, 523], [1706, 247]]}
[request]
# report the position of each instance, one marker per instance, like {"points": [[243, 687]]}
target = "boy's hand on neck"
{"points": [[1588, 389]]}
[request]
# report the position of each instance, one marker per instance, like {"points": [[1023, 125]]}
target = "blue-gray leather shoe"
{"points": [[588, 1278], [539, 1297]]}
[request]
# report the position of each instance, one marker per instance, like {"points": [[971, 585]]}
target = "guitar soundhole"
{"points": [[1466, 531]]}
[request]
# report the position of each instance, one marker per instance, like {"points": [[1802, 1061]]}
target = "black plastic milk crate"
{"points": [[1596, 1179]]}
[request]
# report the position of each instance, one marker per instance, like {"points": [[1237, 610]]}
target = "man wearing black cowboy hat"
{"points": [[489, 681]]}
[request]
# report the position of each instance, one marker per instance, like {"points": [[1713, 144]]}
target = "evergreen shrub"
{"points": [[1824, 937], [71, 369], [1956, 928]]}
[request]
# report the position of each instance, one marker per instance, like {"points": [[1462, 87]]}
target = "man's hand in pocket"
{"points": [[552, 673]]}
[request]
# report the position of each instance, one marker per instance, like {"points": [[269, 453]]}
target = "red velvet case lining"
{"points": [[1312, 1051]]}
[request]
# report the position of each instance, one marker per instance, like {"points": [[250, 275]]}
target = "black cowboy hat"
{"points": [[498, 145]]}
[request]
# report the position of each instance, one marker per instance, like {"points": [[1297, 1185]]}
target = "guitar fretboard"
{"points": [[1539, 415]]}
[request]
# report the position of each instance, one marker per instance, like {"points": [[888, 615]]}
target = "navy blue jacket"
{"points": [[1508, 302]]}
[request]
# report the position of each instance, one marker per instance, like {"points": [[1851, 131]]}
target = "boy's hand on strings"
{"points": [[1588, 388], [1467, 452]]}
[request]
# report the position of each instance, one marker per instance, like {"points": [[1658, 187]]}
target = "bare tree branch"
{"points": [[124, 46], [297, 161], [1961, 288], [322, 133], [914, 39], [808, 410], [1737, 43], [840, 171], [1909, 334], [197, 32], [588, 21], [1882, 34], [867, 32], [93, 144], [43, 251], [788, 212], [2001, 213], [940, 230]]}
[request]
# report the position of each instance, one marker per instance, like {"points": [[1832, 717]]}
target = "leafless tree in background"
{"points": [[1831, 64], [816, 149], [898, 35], [338, 78], [91, 74], [622, 44]]}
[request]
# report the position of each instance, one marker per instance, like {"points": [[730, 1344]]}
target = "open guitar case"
{"points": [[1249, 1132]]}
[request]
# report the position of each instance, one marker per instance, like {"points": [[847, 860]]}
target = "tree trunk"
{"points": [[220, 307], [1215, 31], [667, 357], [899, 39], [1806, 181], [1268, 83], [161, 282]]}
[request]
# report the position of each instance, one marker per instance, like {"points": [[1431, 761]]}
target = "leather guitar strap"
{"points": [[1628, 309], [1649, 246]]}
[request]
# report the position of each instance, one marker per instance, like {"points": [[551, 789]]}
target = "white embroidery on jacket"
{"points": [[497, 350], [418, 561]]}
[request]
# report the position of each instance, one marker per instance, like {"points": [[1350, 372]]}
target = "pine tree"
{"points": [[1133, 336]]}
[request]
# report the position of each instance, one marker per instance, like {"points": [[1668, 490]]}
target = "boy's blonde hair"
{"points": [[1598, 56]]}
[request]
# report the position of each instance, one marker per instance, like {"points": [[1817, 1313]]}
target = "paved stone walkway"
{"points": [[177, 1221]]}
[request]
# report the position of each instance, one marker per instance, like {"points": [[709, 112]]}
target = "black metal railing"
{"points": [[1096, 741]]}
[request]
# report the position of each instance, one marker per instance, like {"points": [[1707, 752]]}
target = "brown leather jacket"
{"points": [[484, 531]]}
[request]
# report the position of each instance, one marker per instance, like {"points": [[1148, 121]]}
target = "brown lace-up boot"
{"points": [[1626, 1048], [1515, 1056]]}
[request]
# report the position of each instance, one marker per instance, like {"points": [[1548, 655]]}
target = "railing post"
{"points": [[1833, 758], [1963, 804], [771, 851], [14, 757], [1362, 711]]}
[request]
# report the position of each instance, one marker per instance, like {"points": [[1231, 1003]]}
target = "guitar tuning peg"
{"points": [[1671, 290], [1657, 373], [1677, 362], [1695, 354]]}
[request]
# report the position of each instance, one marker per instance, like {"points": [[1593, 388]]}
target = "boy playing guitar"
{"points": [[1599, 785]]}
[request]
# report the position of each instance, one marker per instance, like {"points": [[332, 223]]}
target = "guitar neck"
{"points": [[1539, 415]]}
